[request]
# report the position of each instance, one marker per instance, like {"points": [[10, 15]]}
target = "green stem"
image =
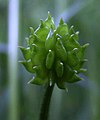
{"points": [[46, 103]]}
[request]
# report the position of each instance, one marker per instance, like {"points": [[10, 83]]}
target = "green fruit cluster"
{"points": [[53, 55]]}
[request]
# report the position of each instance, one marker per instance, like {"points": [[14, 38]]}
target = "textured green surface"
{"points": [[54, 55]]}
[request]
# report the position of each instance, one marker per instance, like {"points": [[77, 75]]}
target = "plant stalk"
{"points": [[44, 113]]}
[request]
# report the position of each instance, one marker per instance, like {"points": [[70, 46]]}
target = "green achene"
{"points": [[53, 55]]}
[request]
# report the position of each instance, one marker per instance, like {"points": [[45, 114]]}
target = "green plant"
{"points": [[54, 56]]}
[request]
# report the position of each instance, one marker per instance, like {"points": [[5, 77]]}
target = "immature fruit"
{"points": [[49, 59], [54, 55]]}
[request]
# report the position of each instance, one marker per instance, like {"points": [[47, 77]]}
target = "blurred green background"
{"points": [[21, 101]]}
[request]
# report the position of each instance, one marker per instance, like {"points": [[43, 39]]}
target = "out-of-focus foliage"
{"points": [[82, 101]]}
